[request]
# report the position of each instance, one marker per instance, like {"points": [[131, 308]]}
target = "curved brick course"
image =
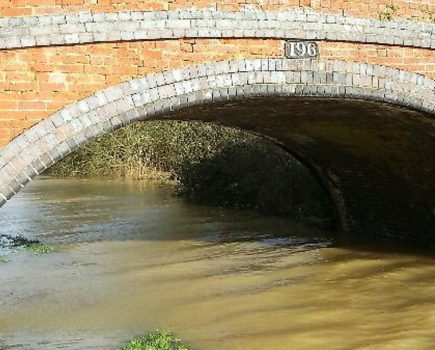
{"points": [[87, 27], [160, 93]]}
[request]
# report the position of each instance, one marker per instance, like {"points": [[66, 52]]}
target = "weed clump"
{"points": [[39, 248], [11, 242], [159, 340], [388, 13]]}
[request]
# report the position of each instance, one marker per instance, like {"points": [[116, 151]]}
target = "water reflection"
{"points": [[132, 258]]}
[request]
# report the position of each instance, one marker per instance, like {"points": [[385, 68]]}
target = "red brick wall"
{"points": [[36, 82], [414, 60], [401, 9]]}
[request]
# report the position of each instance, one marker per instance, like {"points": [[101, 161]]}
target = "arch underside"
{"points": [[376, 160], [366, 131]]}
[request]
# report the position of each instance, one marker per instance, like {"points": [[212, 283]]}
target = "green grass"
{"points": [[39, 248], [159, 340], [3, 260]]}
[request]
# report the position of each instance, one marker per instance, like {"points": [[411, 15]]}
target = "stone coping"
{"points": [[303, 24]]}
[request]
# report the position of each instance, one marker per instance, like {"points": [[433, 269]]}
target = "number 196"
{"points": [[297, 49]]}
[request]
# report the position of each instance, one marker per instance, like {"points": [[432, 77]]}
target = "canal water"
{"points": [[131, 258]]}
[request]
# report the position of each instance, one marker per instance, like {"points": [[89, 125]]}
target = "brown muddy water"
{"points": [[131, 258]]}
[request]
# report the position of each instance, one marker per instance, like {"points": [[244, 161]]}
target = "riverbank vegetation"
{"points": [[159, 340], [210, 164], [35, 246]]}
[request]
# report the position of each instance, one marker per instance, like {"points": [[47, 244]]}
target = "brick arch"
{"points": [[183, 90]]}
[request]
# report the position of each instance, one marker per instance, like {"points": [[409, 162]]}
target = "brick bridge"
{"points": [[360, 114]]}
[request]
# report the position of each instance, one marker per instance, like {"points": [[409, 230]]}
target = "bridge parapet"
{"points": [[418, 10], [87, 27]]}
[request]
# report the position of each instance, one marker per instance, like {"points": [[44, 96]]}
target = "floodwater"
{"points": [[131, 258]]}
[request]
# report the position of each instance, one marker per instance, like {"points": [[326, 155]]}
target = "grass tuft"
{"points": [[3, 260], [160, 340], [39, 248]]}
